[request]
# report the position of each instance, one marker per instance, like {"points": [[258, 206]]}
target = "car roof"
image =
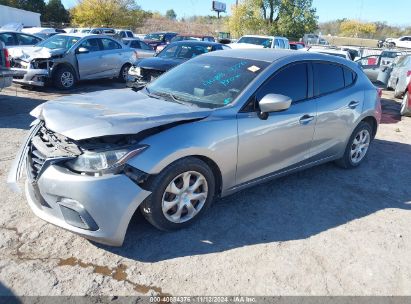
{"points": [[190, 42], [262, 36], [83, 35], [270, 55], [193, 35], [162, 33]]}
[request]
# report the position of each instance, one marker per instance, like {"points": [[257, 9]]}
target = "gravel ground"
{"points": [[324, 231]]}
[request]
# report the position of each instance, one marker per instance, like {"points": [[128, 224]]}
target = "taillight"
{"points": [[6, 58], [408, 73], [379, 92]]}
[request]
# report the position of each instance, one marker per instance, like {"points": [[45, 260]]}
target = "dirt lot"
{"points": [[324, 231]]}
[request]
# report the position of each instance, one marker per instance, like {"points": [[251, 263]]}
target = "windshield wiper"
{"points": [[173, 98]]}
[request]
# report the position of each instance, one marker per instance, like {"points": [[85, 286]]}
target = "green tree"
{"points": [[171, 14], [112, 13], [290, 18], [56, 12], [354, 28]]}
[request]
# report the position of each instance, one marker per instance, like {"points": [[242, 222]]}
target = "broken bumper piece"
{"points": [[35, 77]]}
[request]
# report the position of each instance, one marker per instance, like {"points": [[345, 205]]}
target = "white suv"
{"points": [[256, 41]]}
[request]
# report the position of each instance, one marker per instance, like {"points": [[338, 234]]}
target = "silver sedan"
{"points": [[65, 59], [142, 48], [172, 148]]}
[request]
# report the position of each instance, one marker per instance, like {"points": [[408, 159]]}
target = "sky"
{"points": [[394, 12]]}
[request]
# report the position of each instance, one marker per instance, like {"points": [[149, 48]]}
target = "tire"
{"points": [[405, 109], [64, 78], [122, 77], [349, 160], [397, 93], [391, 45], [168, 211]]}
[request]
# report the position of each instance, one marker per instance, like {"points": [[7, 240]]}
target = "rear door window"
{"points": [[349, 77], [135, 44], [292, 81], [109, 44], [91, 44], [23, 39], [145, 46], [328, 77], [7, 38]]}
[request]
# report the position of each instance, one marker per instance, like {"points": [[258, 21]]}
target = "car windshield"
{"points": [[59, 42], [266, 42], [184, 51], [389, 54], [158, 37], [218, 81]]}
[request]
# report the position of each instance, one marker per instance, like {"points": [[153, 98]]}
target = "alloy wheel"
{"points": [[67, 79], [360, 146], [184, 197]]}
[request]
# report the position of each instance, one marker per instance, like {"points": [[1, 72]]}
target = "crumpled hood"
{"points": [[112, 112], [28, 53], [160, 64]]}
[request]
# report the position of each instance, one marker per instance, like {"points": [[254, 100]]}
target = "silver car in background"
{"points": [[170, 149], [143, 49], [400, 76], [65, 59]]}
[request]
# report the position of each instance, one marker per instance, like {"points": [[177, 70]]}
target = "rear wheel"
{"points": [[397, 92], [122, 77], [357, 147], [405, 108], [64, 78], [180, 194]]}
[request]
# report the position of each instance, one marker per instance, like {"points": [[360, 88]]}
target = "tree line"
{"points": [[360, 29], [289, 18], [52, 11]]}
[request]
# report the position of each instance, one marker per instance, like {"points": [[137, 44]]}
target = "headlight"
{"points": [[103, 162], [135, 71]]}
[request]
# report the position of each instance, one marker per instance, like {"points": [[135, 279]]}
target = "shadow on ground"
{"points": [[7, 296], [16, 102], [295, 207], [390, 111]]}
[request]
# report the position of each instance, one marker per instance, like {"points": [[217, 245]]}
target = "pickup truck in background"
{"points": [[5, 73]]}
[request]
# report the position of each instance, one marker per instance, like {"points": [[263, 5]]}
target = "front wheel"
{"points": [[64, 78], [357, 147], [180, 194], [405, 105]]}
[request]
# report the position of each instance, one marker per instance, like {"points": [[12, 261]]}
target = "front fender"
{"points": [[214, 138]]}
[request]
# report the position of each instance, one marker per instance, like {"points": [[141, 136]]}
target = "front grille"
{"points": [[149, 74], [47, 147]]}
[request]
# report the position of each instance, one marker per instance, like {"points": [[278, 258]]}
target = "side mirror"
{"points": [[273, 103], [82, 50]]}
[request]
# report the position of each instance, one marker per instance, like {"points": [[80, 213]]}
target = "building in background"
{"points": [[14, 15]]}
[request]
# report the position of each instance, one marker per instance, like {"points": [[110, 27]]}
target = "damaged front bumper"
{"points": [[29, 76], [135, 81], [96, 207]]}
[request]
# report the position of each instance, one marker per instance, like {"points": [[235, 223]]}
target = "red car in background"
{"points": [[406, 102], [297, 45], [159, 38]]}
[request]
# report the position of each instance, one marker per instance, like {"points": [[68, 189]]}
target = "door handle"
{"points": [[306, 119], [353, 104]]}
